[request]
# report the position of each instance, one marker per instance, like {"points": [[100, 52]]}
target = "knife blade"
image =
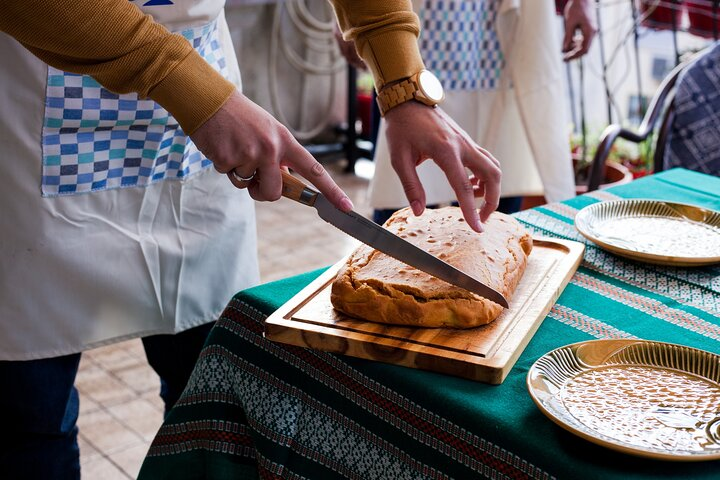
{"points": [[372, 234]]}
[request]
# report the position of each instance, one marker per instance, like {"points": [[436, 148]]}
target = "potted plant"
{"points": [[621, 155], [640, 159], [616, 170]]}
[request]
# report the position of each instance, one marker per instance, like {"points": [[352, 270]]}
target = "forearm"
{"points": [[385, 34], [123, 49]]}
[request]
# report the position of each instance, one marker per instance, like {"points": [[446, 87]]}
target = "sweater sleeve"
{"points": [[123, 49], [126, 51], [385, 34]]}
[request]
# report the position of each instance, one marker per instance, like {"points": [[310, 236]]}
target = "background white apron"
{"points": [[503, 86], [95, 246]]}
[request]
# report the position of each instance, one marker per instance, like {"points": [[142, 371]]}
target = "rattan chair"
{"points": [[685, 115]]}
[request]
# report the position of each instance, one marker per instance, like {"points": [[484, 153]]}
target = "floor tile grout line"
{"points": [[119, 467], [106, 456], [139, 436]]}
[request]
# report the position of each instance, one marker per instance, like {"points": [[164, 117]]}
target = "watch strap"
{"points": [[396, 94]]}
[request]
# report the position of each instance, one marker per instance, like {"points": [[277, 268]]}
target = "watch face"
{"points": [[430, 85]]}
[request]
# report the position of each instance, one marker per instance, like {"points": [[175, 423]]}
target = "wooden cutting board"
{"points": [[485, 354]]}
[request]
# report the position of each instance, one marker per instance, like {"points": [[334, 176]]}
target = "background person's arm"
{"points": [[580, 28]]}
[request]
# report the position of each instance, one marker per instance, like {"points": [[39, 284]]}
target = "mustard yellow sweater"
{"points": [[126, 51]]}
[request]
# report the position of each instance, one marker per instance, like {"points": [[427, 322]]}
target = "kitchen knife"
{"points": [[379, 238]]}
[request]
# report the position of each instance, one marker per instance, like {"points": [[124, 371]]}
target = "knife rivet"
{"points": [[307, 197]]}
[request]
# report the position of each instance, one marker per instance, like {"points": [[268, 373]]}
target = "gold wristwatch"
{"points": [[424, 87]]}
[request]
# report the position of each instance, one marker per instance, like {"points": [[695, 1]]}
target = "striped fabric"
{"points": [[258, 407]]}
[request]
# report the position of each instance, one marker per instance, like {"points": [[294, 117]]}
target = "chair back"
{"points": [[693, 131], [685, 114]]}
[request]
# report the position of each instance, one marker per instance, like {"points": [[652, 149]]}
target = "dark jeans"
{"points": [[507, 205], [510, 205], [39, 405]]}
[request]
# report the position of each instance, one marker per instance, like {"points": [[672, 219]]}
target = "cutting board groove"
{"points": [[485, 353]]}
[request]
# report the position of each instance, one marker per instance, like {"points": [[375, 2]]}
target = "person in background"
{"points": [[501, 68], [115, 226]]}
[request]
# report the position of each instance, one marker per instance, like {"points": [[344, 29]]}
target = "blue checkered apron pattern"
{"points": [[94, 139], [459, 43]]}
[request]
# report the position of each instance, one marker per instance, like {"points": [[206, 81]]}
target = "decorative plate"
{"points": [[649, 399], [653, 231]]}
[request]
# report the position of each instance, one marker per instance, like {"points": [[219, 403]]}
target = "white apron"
{"points": [[503, 86], [112, 224]]}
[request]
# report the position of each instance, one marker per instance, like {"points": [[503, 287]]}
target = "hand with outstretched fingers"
{"points": [[415, 133]]}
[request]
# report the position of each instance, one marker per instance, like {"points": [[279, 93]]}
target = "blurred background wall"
{"points": [[290, 62]]}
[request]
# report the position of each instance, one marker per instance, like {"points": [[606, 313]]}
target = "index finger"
{"points": [[487, 174], [491, 200], [460, 183], [578, 49], [305, 164]]}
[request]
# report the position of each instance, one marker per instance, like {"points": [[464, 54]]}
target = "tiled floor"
{"points": [[120, 410]]}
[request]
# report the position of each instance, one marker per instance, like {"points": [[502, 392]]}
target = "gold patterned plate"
{"points": [[653, 231], [644, 398]]}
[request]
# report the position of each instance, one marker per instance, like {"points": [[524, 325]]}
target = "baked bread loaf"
{"points": [[376, 287]]}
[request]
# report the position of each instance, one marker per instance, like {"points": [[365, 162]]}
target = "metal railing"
{"points": [[638, 44]]}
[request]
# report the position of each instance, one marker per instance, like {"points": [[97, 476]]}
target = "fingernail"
{"points": [[417, 207], [478, 225], [346, 205]]}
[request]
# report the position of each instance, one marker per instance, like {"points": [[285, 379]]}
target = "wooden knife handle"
{"points": [[294, 189]]}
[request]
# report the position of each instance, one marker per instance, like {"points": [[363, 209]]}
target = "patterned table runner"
{"points": [[255, 407]]}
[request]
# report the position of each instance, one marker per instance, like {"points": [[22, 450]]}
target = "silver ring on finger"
{"points": [[242, 179]]}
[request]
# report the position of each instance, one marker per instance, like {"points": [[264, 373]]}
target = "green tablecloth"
{"points": [[257, 407]]}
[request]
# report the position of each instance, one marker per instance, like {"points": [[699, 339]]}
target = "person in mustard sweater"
{"points": [[115, 226]]}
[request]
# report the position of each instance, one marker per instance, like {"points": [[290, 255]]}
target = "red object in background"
{"points": [[636, 168], [640, 173], [364, 109], [661, 14], [703, 18], [560, 6]]}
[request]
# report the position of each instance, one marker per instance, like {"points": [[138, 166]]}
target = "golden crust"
{"points": [[375, 287]]}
